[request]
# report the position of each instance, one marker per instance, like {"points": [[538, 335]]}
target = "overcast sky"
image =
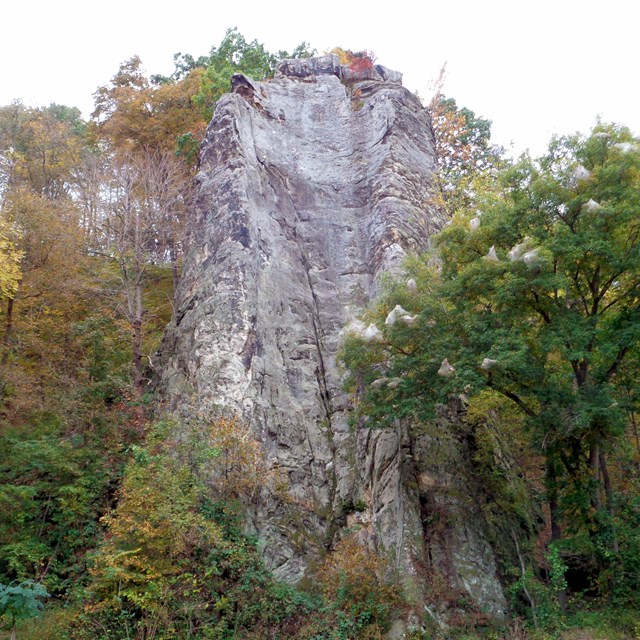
{"points": [[533, 68]]}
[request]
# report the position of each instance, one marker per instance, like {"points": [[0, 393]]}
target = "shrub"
{"points": [[19, 601], [358, 594]]}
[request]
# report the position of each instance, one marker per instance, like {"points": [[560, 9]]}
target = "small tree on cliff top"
{"points": [[355, 60], [538, 299], [236, 55]]}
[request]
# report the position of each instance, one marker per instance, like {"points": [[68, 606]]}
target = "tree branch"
{"points": [[513, 397], [576, 281], [616, 363], [545, 316]]}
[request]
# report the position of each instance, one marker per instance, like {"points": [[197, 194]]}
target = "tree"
{"points": [[21, 601], [235, 55], [40, 148], [10, 257], [135, 116], [536, 299], [357, 587], [176, 561], [50, 244], [464, 151], [146, 200], [40, 152]]}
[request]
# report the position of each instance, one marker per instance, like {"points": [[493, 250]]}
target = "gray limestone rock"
{"points": [[306, 197]]}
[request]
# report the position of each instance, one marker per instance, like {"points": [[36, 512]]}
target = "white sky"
{"points": [[533, 68]]}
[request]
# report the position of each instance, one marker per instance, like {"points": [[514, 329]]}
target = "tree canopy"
{"points": [[465, 155], [533, 294]]}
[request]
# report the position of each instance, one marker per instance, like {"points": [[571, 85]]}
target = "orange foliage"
{"points": [[135, 115], [450, 127], [355, 60], [361, 60]]}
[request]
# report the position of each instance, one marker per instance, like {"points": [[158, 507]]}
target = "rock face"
{"points": [[311, 186]]}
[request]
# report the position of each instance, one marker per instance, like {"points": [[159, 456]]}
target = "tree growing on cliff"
{"points": [[355, 60], [464, 151], [237, 55], [535, 298]]}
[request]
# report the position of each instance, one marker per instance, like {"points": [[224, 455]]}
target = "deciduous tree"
{"points": [[537, 298], [20, 601], [10, 257], [236, 55], [464, 151], [144, 211]]}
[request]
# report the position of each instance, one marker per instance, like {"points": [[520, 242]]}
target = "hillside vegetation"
{"points": [[112, 525]]}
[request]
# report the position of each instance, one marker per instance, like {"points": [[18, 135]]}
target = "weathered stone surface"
{"points": [[330, 65], [306, 196], [306, 67], [376, 72]]}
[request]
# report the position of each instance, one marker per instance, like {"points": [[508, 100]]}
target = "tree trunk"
{"points": [[634, 424], [594, 466], [174, 269], [552, 498], [8, 328], [136, 348], [523, 573], [608, 492]]}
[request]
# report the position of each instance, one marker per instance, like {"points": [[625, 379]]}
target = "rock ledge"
{"points": [[330, 65]]}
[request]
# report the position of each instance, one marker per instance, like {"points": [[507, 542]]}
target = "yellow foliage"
{"points": [[159, 527], [153, 534], [240, 469], [46, 154], [343, 56], [10, 257], [356, 577]]}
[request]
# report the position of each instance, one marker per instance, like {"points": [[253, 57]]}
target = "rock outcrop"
{"points": [[311, 186]]}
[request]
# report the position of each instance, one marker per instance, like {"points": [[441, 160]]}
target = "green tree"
{"points": [[235, 55], [21, 601], [537, 298]]}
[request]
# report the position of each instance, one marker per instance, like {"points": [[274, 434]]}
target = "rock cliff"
{"points": [[311, 186]]}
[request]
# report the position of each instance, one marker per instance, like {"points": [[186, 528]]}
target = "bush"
{"points": [[358, 595], [176, 561], [20, 601]]}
